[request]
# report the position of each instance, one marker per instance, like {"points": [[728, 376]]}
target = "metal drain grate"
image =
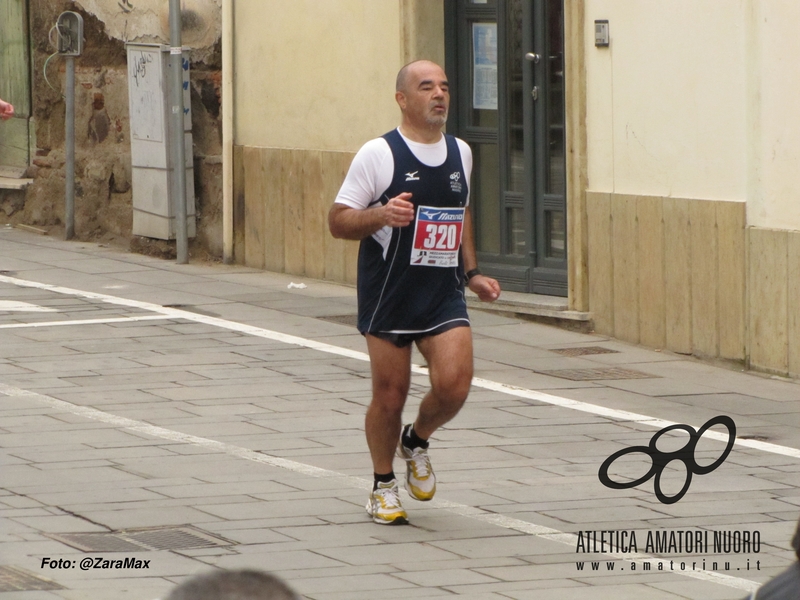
{"points": [[351, 320], [17, 580], [177, 539], [96, 542], [598, 374], [584, 351], [137, 540]]}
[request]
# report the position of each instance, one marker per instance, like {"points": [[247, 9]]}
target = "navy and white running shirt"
{"points": [[410, 279]]}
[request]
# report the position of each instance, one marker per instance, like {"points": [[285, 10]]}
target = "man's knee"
{"points": [[389, 397], [391, 372], [452, 387]]}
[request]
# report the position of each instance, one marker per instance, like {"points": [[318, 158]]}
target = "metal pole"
{"points": [[227, 131], [179, 149], [69, 212]]}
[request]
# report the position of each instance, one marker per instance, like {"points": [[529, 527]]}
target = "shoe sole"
{"points": [[397, 521]]}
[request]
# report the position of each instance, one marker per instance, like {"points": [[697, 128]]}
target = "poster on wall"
{"points": [[484, 66]]}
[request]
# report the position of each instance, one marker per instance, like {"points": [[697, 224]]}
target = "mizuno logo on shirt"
{"points": [[412, 176]]}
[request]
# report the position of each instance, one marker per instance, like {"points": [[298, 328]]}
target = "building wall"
{"points": [[773, 123], [669, 272], [314, 81], [683, 151], [692, 151], [774, 286], [315, 74], [147, 21], [666, 108]]}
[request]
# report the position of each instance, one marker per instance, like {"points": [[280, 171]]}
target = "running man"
{"points": [[406, 198]]}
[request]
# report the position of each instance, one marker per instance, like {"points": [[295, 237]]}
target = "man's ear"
{"points": [[401, 99]]}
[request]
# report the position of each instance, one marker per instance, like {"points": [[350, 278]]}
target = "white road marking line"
{"points": [[85, 322], [486, 384], [15, 306], [463, 510]]}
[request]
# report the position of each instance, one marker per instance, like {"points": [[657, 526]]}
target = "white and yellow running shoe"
{"points": [[420, 480], [384, 505]]}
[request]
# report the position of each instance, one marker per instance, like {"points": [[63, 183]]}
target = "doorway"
{"points": [[505, 62]]}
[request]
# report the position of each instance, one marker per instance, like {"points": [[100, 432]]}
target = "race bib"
{"points": [[437, 236]]}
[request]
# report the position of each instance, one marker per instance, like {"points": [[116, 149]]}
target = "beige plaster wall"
{"points": [[666, 108], [314, 81], [319, 75], [693, 146], [315, 74], [774, 120]]}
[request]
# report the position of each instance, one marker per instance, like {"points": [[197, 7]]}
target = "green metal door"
{"points": [[14, 82], [505, 59]]}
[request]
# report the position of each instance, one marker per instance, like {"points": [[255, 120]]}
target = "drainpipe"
{"points": [[227, 131]]}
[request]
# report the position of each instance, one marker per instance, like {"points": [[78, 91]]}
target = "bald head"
{"points": [[404, 76], [423, 95]]}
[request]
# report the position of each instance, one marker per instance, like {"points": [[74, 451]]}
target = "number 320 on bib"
{"points": [[437, 236]]}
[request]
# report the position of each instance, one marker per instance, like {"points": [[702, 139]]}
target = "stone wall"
{"points": [[102, 155]]}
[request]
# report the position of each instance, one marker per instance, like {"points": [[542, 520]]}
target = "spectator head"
{"points": [[233, 585]]}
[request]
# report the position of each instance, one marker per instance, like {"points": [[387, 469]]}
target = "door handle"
{"points": [[533, 57]]}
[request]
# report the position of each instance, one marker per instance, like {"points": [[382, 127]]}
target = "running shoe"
{"points": [[420, 480], [384, 505]]}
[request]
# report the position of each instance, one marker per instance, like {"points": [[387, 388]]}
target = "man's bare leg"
{"points": [[449, 357], [391, 378]]}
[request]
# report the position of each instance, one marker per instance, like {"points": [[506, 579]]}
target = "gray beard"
{"points": [[440, 121]]}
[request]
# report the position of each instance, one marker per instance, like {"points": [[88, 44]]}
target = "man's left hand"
{"points": [[486, 288]]}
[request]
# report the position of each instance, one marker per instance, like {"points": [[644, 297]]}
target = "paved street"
{"points": [[159, 420]]}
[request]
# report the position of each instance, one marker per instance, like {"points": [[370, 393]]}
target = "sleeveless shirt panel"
{"points": [[393, 295]]}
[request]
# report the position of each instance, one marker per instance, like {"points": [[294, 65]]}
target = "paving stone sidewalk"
{"points": [[191, 417]]}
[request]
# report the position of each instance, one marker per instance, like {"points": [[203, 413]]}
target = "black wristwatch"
{"points": [[470, 274]]}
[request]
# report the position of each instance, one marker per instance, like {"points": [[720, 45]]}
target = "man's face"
{"points": [[426, 98]]}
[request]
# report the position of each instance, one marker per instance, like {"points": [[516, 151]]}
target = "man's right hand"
{"points": [[398, 211]]}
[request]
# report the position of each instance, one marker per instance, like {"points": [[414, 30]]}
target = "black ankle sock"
{"points": [[387, 478], [412, 440]]}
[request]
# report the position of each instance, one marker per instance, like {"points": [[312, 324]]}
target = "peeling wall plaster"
{"points": [[148, 21]]}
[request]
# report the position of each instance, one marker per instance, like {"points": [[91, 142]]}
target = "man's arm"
{"points": [[354, 224], [486, 288]]}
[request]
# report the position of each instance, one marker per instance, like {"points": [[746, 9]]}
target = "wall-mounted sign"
{"points": [[484, 66]]}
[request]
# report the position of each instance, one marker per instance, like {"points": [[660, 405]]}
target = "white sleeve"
{"points": [[369, 176], [466, 162]]}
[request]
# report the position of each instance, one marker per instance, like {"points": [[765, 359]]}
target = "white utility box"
{"points": [[152, 177]]}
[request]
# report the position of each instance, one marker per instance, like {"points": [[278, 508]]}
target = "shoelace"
{"points": [[421, 463], [389, 496]]}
